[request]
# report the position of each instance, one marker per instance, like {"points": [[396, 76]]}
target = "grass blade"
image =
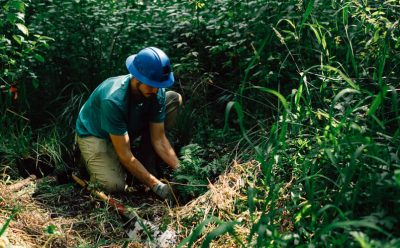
{"points": [[195, 233], [378, 100], [273, 92], [343, 92], [5, 226], [353, 223], [239, 111], [310, 7], [225, 227], [379, 122], [346, 78]]}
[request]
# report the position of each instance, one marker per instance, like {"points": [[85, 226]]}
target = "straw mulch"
{"points": [[222, 200], [51, 215], [56, 216]]}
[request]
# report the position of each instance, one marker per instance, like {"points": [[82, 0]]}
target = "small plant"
{"points": [[195, 172], [191, 172]]}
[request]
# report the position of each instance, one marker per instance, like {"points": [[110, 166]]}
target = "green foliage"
{"points": [[20, 50], [337, 145], [51, 229], [223, 227], [30, 149], [329, 123], [195, 172], [15, 141]]}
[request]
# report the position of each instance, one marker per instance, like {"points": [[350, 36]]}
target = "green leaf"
{"points": [[4, 227], [345, 15], [250, 200], [226, 227], [195, 233], [51, 229], [343, 92], [316, 33], [397, 176], [17, 5], [378, 100], [299, 92], [303, 212], [323, 41], [277, 94], [35, 83], [39, 58], [380, 123], [22, 28], [347, 79], [288, 21], [352, 224], [309, 9], [43, 38], [362, 239], [239, 112], [376, 35], [20, 17], [18, 39]]}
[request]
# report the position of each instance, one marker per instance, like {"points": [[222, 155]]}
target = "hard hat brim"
{"points": [[132, 70]]}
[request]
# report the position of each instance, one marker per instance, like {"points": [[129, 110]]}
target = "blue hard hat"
{"points": [[151, 66]]}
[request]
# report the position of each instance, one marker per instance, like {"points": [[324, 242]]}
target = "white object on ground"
{"points": [[161, 239]]}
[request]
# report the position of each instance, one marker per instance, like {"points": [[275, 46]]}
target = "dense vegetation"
{"points": [[308, 89]]}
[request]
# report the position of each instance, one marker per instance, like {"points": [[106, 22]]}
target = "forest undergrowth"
{"points": [[289, 134]]}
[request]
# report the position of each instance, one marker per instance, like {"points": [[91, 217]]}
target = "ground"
{"points": [[45, 213]]}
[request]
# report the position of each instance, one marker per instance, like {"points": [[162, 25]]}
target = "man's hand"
{"points": [[122, 148], [175, 167], [163, 191]]}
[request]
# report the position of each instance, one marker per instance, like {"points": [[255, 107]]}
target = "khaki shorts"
{"points": [[102, 163]]}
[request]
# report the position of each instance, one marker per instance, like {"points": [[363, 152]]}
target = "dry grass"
{"points": [[222, 201], [27, 229], [62, 218], [80, 220]]}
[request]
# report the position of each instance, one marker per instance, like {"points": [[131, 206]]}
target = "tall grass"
{"points": [[22, 146], [336, 138], [329, 149]]}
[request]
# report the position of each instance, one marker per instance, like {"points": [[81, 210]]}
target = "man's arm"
{"points": [[123, 150], [162, 146]]}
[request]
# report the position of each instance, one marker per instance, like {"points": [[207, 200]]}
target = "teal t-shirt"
{"points": [[106, 110]]}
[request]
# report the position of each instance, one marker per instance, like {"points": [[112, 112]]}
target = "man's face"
{"points": [[141, 90], [147, 91]]}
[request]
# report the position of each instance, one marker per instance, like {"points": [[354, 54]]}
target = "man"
{"points": [[120, 110]]}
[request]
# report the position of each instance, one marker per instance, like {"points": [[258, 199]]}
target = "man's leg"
{"points": [[146, 153], [173, 102], [102, 163]]}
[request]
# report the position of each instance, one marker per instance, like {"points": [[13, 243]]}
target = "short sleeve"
{"points": [[112, 118]]}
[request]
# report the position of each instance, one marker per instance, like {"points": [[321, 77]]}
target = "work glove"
{"points": [[163, 191]]}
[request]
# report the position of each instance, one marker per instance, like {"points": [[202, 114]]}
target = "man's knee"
{"points": [[108, 184], [114, 186], [173, 102], [173, 98]]}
